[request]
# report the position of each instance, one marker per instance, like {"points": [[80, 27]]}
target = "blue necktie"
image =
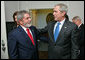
{"points": [[56, 33]]}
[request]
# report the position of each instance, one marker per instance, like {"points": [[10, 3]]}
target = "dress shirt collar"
{"points": [[62, 22], [79, 25], [24, 28]]}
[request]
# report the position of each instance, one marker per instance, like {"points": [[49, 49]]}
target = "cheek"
{"points": [[77, 22], [21, 22], [28, 21], [25, 21], [58, 16]]}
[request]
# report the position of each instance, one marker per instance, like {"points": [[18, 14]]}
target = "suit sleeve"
{"points": [[12, 47], [43, 30], [74, 41], [40, 33]]}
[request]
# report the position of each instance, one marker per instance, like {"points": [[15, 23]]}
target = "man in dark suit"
{"points": [[78, 22], [22, 41], [64, 46]]}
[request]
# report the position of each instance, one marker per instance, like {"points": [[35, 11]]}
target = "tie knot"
{"points": [[59, 23], [27, 29]]}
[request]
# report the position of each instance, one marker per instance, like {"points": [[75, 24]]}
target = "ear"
{"points": [[63, 14], [16, 20], [20, 21]]}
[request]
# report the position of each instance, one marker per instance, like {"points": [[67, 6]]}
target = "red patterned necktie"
{"points": [[29, 34]]}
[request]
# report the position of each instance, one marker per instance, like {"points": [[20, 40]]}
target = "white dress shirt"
{"points": [[26, 31], [60, 26]]}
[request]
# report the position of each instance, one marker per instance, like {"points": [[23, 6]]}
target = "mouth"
{"points": [[28, 25]]}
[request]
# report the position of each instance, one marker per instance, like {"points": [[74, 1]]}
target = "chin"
{"points": [[27, 26]]}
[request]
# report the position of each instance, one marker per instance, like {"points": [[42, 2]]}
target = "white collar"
{"points": [[24, 28], [79, 25], [62, 22]]}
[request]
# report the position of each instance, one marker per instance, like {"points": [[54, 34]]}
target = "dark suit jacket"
{"points": [[81, 41], [66, 46], [20, 45]]}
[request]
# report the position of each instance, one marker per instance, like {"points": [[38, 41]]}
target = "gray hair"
{"points": [[76, 18], [63, 7], [20, 14]]}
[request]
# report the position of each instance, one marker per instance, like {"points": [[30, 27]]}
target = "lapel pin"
{"points": [[65, 27]]}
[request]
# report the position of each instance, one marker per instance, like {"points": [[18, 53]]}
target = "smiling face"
{"points": [[58, 15], [26, 21]]}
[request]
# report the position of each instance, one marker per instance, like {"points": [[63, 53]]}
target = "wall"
{"points": [[10, 8], [41, 17], [75, 7]]}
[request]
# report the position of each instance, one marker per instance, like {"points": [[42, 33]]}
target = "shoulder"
{"points": [[33, 28], [71, 24], [13, 32]]}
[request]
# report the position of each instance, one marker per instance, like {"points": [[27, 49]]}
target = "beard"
{"points": [[27, 25]]}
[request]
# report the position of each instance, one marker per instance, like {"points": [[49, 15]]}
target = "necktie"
{"points": [[29, 34], [56, 33]]}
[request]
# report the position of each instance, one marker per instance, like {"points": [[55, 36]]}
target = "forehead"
{"points": [[56, 8]]}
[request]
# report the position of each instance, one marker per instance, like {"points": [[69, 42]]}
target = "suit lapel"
{"points": [[81, 27], [33, 33], [24, 34]]}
